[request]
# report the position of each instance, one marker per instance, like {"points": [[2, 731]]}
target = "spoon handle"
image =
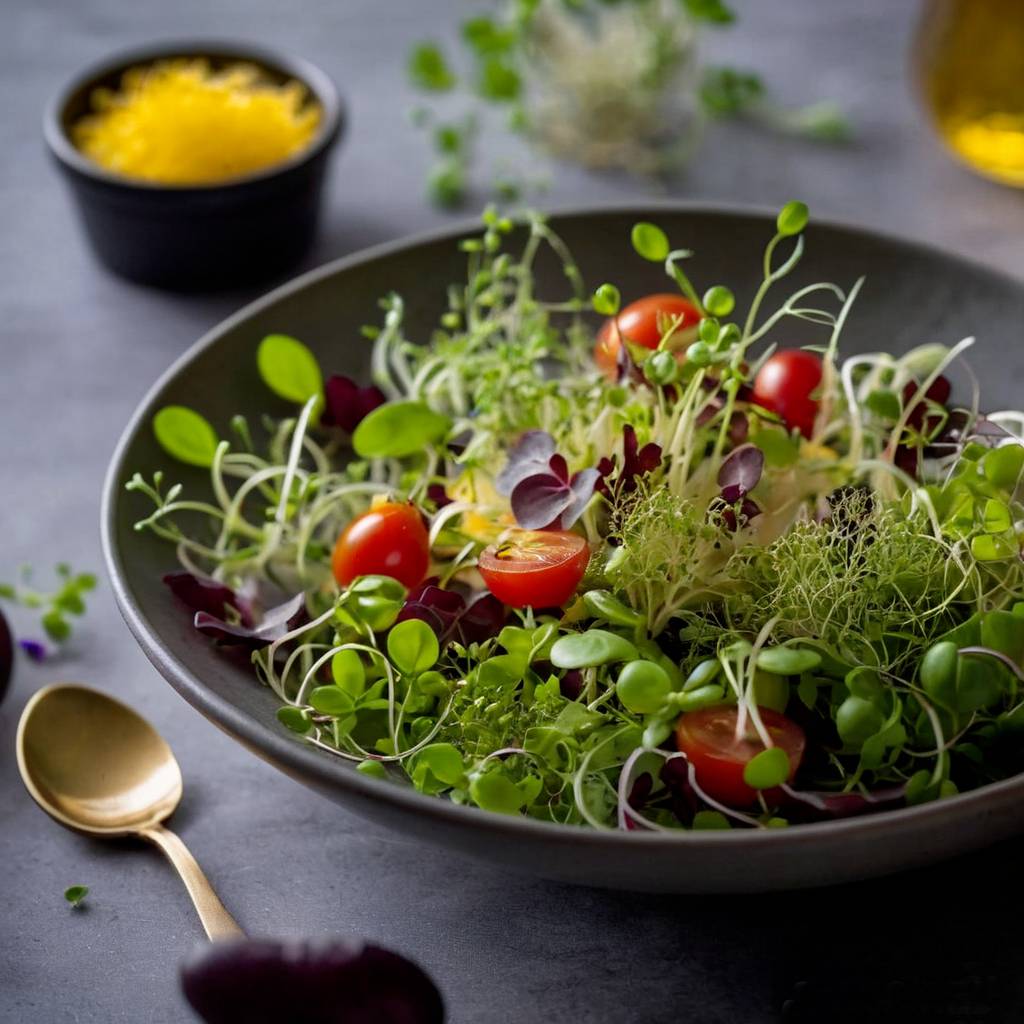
{"points": [[219, 924]]}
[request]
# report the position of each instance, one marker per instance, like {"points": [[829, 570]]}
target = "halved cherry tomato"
{"points": [[389, 540], [708, 739], [638, 323], [784, 386], [541, 568]]}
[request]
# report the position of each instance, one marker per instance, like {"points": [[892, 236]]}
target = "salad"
{"points": [[662, 576]]}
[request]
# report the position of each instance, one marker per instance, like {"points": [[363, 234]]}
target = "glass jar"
{"points": [[968, 59]]}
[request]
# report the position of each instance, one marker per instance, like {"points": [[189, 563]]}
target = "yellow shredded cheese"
{"points": [[180, 122]]}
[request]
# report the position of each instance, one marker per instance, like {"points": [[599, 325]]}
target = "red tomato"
{"points": [[389, 540], [708, 739], [541, 568], [784, 386], [638, 323]]}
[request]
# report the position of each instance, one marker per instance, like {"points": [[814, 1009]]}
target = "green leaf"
{"points": [[413, 647], [650, 242], [331, 700], [987, 547], [348, 672], [498, 80], [792, 218], [373, 768], [603, 605], [779, 448], [1004, 632], [770, 690], [606, 300], [289, 369], [726, 92], [713, 11], [444, 761], [185, 435], [75, 894], [788, 661], [704, 673], [710, 821], [719, 300], [294, 718], [767, 769], [1003, 466], [397, 429], [595, 647], [428, 68], [857, 720], [56, 626], [446, 184], [885, 404], [493, 791], [996, 517], [642, 687], [485, 37]]}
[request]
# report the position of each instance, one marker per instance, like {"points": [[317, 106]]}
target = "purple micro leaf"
{"points": [[439, 609], [274, 625], [570, 686], [539, 500], [438, 495], [34, 650], [483, 619], [740, 472], [530, 455], [559, 467], [346, 403], [581, 490], [203, 594], [824, 806]]}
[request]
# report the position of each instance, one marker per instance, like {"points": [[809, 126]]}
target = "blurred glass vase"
{"points": [[969, 63]]}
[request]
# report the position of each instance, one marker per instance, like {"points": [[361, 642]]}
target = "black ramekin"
{"points": [[207, 236]]}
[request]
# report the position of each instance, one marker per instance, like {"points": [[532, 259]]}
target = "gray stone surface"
{"points": [[79, 347]]}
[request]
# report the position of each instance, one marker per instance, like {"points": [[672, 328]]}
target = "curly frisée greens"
{"points": [[661, 575]]}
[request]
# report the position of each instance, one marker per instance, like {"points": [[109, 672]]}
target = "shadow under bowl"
{"points": [[207, 236]]}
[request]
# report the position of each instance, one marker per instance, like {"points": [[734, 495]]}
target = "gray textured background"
{"points": [[79, 348]]}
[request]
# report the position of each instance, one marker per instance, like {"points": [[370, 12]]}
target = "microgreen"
{"points": [[429, 69], [289, 368], [398, 429], [873, 591], [185, 435], [58, 607], [75, 895]]}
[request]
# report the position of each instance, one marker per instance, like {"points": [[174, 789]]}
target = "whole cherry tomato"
{"points": [[389, 540], [784, 386], [638, 323]]}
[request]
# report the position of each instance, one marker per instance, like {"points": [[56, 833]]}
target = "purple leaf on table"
{"points": [[331, 981]]}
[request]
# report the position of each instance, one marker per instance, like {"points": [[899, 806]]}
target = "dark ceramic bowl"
{"points": [[197, 237], [912, 295]]}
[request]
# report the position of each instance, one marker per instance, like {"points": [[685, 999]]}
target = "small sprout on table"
{"points": [[75, 895]]}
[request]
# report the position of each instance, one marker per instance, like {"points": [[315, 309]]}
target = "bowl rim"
{"points": [[306, 763], [319, 84]]}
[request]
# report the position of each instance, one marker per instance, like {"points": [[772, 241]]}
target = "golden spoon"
{"points": [[97, 767]]}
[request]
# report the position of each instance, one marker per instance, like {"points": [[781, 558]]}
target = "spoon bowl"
{"points": [[97, 767], [93, 764]]}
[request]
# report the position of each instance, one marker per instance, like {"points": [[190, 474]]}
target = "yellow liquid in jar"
{"points": [[969, 57]]}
